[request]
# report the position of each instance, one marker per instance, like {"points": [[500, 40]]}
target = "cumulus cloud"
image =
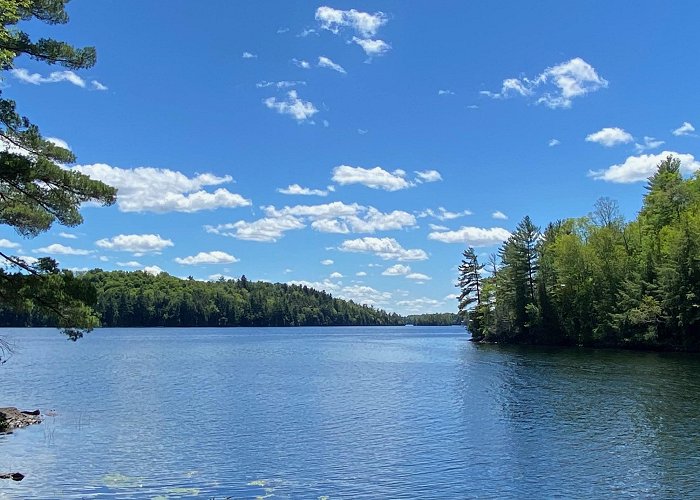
{"points": [[428, 176], [499, 215], [362, 294], [556, 86], [268, 229], [384, 248], [335, 276], [146, 189], [327, 262], [5, 243], [423, 304], [54, 77], [640, 168], [249, 55], [135, 243], [437, 227], [59, 249], [685, 129], [396, 270], [372, 47], [213, 257], [610, 136], [58, 142], [375, 178], [418, 277], [296, 189], [361, 274], [649, 143], [364, 24], [472, 236], [553, 142], [294, 106], [445, 92], [443, 214], [324, 62], [153, 270], [341, 218], [131, 263]]}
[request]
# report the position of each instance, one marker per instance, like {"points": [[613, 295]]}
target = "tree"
{"points": [[469, 283], [35, 190]]}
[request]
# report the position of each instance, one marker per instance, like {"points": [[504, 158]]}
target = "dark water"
{"points": [[345, 413]]}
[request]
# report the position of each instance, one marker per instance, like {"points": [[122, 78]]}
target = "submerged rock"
{"points": [[11, 418]]}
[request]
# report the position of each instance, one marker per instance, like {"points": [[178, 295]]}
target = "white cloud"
{"points": [[213, 257], [58, 142], [154, 270], [68, 236], [98, 86], [59, 249], [362, 294], [294, 106], [362, 131], [553, 142], [375, 178], [639, 168], [302, 63], [217, 277], [610, 136], [443, 214], [327, 262], [418, 277], [685, 129], [649, 143], [363, 23], [445, 92], [131, 263], [473, 236], [324, 286], [396, 270], [135, 243], [249, 55], [384, 248], [336, 275], [324, 62], [372, 47], [54, 77], [296, 189], [428, 176], [338, 217], [5, 243], [555, 87], [419, 305], [436, 227], [499, 215], [282, 84], [269, 229], [361, 274], [146, 189]]}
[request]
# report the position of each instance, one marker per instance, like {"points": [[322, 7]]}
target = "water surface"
{"points": [[345, 413]]}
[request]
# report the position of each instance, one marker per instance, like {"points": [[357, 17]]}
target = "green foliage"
{"points": [[599, 281], [138, 299], [35, 190]]}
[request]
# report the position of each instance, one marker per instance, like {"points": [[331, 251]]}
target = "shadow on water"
{"points": [[590, 421]]}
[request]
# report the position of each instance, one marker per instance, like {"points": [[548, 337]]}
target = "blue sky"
{"points": [[357, 147]]}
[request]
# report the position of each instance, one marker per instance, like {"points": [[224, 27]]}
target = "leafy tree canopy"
{"points": [[35, 189]]}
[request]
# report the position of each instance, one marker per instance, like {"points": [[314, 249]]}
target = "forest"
{"points": [[139, 299], [596, 280]]}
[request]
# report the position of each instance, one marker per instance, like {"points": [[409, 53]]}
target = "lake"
{"points": [[407, 412]]}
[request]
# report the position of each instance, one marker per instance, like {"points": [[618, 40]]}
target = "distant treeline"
{"points": [[596, 280], [139, 299]]}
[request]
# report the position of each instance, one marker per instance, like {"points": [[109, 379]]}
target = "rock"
{"points": [[11, 418], [33, 412], [15, 476]]}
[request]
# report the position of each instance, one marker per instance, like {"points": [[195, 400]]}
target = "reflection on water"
{"points": [[345, 413]]}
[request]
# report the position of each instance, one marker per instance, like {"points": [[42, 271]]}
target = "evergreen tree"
{"points": [[469, 283]]}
